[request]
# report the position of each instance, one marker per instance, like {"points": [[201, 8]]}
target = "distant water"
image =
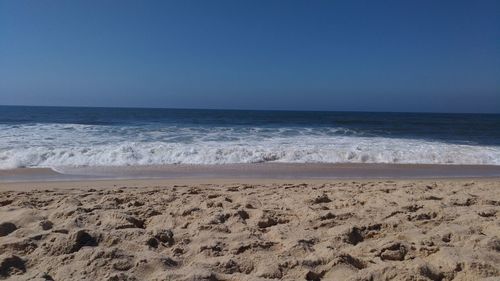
{"points": [[70, 136]]}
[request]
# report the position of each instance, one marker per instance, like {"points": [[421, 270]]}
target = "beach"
{"points": [[124, 194], [249, 140], [251, 229]]}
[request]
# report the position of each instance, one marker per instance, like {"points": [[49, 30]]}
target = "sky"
{"points": [[352, 55]]}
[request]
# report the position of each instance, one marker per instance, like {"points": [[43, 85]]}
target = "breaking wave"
{"points": [[57, 145]]}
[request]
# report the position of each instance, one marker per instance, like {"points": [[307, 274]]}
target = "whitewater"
{"points": [[74, 145]]}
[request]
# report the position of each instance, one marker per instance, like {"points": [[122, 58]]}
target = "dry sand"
{"points": [[257, 230]]}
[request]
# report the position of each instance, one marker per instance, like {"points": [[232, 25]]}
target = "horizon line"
{"points": [[234, 109]]}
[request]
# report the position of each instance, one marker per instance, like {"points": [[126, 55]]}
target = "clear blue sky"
{"points": [[394, 55]]}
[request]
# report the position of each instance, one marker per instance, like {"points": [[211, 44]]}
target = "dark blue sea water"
{"points": [[71, 136]]}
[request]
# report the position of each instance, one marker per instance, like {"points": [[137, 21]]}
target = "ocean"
{"points": [[77, 136]]}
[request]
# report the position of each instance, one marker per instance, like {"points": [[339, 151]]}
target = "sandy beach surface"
{"points": [[251, 230], [256, 171]]}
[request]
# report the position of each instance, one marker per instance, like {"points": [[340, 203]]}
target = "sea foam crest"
{"points": [[298, 149]]}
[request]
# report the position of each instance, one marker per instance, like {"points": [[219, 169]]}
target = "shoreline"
{"points": [[267, 171]]}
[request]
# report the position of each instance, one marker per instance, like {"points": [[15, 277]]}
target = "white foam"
{"points": [[78, 145], [301, 150]]}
